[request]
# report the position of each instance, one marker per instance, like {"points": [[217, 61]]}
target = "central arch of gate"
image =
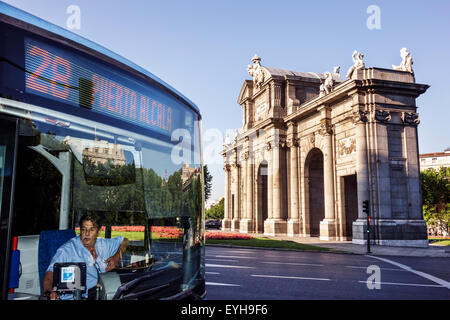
{"points": [[305, 158]]}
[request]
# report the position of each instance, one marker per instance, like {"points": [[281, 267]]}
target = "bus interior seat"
{"points": [[49, 242]]}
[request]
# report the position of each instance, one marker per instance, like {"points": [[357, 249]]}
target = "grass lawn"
{"points": [[131, 235], [267, 243], [441, 242]]}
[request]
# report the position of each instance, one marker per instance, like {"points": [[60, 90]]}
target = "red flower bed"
{"points": [[227, 236], [166, 232], [122, 228]]}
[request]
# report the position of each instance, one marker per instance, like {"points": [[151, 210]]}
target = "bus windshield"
{"points": [[133, 183]]}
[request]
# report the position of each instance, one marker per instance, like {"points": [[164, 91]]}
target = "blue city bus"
{"points": [[85, 131]]}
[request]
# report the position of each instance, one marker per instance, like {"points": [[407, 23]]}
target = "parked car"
{"points": [[213, 224]]}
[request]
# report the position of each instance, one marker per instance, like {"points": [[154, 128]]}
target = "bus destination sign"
{"points": [[62, 76]]}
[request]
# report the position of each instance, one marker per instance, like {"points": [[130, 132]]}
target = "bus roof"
{"points": [[26, 17]]}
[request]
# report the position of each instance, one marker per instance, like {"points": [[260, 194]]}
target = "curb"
{"points": [[283, 249]]}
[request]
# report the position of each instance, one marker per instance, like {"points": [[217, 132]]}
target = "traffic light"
{"points": [[366, 206]]}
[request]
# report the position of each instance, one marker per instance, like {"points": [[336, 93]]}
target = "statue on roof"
{"points": [[327, 85], [227, 139], [256, 71], [337, 73], [358, 63], [407, 61]]}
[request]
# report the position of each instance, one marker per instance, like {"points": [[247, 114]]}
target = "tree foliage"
{"points": [[436, 197], [208, 181], [217, 211]]}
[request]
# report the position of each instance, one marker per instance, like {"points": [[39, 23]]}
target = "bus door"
{"points": [[8, 154]]}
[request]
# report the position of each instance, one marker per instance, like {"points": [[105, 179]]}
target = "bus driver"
{"points": [[99, 254]]}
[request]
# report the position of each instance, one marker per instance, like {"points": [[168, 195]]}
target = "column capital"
{"points": [[410, 118], [326, 128], [360, 116], [382, 116], [292, 142]]}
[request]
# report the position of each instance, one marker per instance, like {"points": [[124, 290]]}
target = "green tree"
{"points": [[217, 211], [436, 197], [208, 181]]}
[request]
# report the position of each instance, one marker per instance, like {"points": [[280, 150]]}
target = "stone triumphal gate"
{"points": [[313, 147]]}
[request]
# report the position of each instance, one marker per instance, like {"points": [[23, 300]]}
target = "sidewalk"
{"points": [[348, 246]]}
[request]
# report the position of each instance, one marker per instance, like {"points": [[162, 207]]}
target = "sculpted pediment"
{"points": [[246, 91]]}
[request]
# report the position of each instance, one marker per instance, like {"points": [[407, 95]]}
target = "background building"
{"points": [[435, 160]]}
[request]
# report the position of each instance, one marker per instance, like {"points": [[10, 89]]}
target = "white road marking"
{"points": [[295, 264], [222, 284], [287, 277], [237, 257], [224, 260], [226, 266], [406, 284], [365, 268], [236, 251], [441, 282], [207, 272]]}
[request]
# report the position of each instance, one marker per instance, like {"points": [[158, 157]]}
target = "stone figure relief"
{"points": [[407, 61], [410, 118], [360, 116], [358, 63], [327, 86], [347, 146], [256, 71], [382, 115]]}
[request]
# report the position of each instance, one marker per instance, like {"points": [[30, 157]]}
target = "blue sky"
{"points": [[202, 48]]}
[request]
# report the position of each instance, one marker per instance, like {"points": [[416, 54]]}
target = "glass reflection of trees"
{"points": [[127, 196]]}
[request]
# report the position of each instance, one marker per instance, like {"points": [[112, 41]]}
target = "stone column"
{"points": [[275, 224], [411, 120], [226, 222], [243, 188], [269, 181], [237, 205], [248, 223], [362, 175], [328, 225], [276, 185], [416, 224], [293, 224]]}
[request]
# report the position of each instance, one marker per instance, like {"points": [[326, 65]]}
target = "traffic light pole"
{"points": [[368, 233], [366, 210]]}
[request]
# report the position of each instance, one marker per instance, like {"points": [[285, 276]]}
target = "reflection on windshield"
{"points": [[132, 185]]}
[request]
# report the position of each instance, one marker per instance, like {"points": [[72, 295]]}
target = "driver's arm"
{"points": [[47, 284], [114, 260]]}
